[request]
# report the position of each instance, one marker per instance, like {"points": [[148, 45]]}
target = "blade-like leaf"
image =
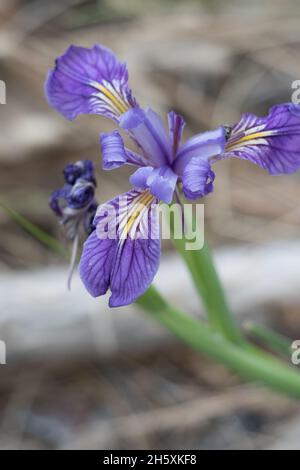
{"points": [[35, 231]]}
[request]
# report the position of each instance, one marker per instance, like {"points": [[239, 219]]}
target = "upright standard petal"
{"points": [[201, 146], [123, 253], [89, 81], [147, 129], [115, 154], [272, 142], [176, 126]]}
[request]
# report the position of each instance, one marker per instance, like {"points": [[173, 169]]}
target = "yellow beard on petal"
{"points": [[142, 203], [121, 106], [247, 138]]}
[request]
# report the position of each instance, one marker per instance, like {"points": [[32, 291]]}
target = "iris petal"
{"points": [[126, 263], [89, 81], [161, 182], [197, 178], [176, 126], [272, 142], [96, 263], [147, 129], [115, 154], [202, 146], [58, 196]]}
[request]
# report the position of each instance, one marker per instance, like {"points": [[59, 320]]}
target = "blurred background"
{"points": [[79, 376]]}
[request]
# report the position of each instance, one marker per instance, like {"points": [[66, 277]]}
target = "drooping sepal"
{"points": [[89, 81], [123, 253], [272, 142]]}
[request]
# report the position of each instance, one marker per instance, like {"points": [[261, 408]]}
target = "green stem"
{"points": [[207, 283], [258, 367], [273, 340]]}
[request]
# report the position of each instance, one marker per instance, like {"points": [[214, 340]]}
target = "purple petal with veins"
{"points": [[89, 81], [126, 263], [272, 142]]}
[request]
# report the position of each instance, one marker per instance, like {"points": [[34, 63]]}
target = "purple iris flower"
{"points": [[93, 81], [75, 204]]}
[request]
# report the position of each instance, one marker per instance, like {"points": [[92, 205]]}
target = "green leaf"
{"points": [[35, 231], [249, 362]]}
